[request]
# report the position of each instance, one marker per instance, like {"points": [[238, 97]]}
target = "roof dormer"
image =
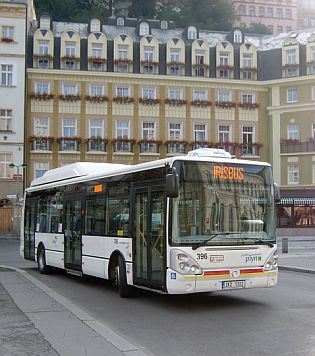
{"points": [[45, 22], [143, 28], [95, 25]]}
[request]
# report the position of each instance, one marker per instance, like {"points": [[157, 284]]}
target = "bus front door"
{"points": [[29, 229], [73, 232], [149, 233]]}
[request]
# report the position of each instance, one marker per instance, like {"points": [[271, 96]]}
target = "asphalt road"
{"points": [[277, 321]]}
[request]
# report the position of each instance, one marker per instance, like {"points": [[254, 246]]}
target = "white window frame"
{"points": [[247, 60], [7, 74], [199, 94], [122, 126], [148, 130], [200, 132], [44, 22], [40, 168], [291, 56], [313, 130], [224, 96], [224, 58], [123, 51], [293, 173], [6, 119], [175, 54], [224, 133], [248, 98], [192, 33], [97, 50], [69, 89], [293, 132], [41, 126], [148, 93], [43, 47], [148, 53], [120, 21], [8, 32], [175, 131], [175, 94], [42, 88], [248, 134], [5, 160], [122, 91], [70, 48], [292, 95], [238, 36], [69, 127], [96, 128], [164, 25], [144, 29], [95, 25], [96, 90]]}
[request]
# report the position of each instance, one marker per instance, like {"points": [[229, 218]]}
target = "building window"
{"points": [[279, 29], [175, 94], [175, 131], [293, 132], [96, 128], [42, 88], [44, 22], [148, 131], [175, 54], [40, 169], [224, 133], [43, 63], [247, 60], [200, 132], [261, 11], [144, 29], [224, 96], [122, 91], [123, 51], [248, 138], [242, 10], [70, 49], [8, 32], [293, 173], [7, 74], [69, 89], [238, 36], [41, 126], [248, 98], [199, 62], [288, 13], [148, 93], [5, 160], [192, 33], [43, 47], [69, 127], [97, 50], [148, 54], [120, 21], [5, 120], [269, 12], [96, 90], [292, 95], [313, 180], [122, 129], [252, 11], [279, 13], [95, 25], [224, 58], [200, 95], [291, 56], [164, 25]]}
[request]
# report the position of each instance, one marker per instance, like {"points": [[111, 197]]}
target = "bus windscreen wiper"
{"points": [[265, 242], [203, 243]]}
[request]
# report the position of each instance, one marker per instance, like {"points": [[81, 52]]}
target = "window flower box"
{"points": [[248, 69], [70, 58], [69, 138], [41, 138], [177, 142], [249, 106], [290, 65], [96, 98], [97, 60], [225, 66], [149, 101], [96, 139], [290, 141], [225, 104], [176, 63], [175, 102], [43, 56], [200, 65], [123, 61], [149, 63], [124, 140], [201, 103], [41, 96], [123, 99], [142, 141], [69, 97], [7, 40]]}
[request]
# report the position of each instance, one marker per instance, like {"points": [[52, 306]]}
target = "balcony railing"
{"points": [[96, 145], [175, 147], [41, 144], [249, 149], [146, 147], [296, 146], [123, 145], [69, 144]]}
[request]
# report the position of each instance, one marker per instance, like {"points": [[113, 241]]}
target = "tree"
{"points": [[143, 8], [257, 28]]}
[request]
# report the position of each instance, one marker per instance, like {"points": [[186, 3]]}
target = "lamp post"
{"points": [[17, 166]]}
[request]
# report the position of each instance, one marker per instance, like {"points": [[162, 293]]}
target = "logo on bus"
{"points": [[216, 258], [252, 258], [173, 275]]}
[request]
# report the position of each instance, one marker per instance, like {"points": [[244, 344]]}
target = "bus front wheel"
{"points": [[41, 261], [125, 290]]}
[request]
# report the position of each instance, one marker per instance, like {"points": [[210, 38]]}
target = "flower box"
{"points": [[70, 58], [290, 141], [41, 138], [97, 60], [125, 140], [96, 98], [249, 106], [123, 99], [69, 97], [69, 138], [175, 102], [200, 65], [176, 142], [175, 63], [149, 101], [96, 139], [123, 61], [43, 56], [149, 63], [200, 103], [225, 66], [7, 40], [143, 141], [225, 104], [291, 65], [41, 96], [249, 69]]}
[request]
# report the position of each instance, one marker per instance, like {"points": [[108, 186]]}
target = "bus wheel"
{"points": [[125, 290], [41, 261]]}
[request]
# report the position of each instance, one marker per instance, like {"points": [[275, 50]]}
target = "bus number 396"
{"points": [[202, 256]]}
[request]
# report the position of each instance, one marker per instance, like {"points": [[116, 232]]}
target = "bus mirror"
{"points": [[276, 192], [172, 184]]}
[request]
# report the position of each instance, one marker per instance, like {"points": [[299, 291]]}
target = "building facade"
{"points": [[306, 14], [135, 90], [279, 16]]}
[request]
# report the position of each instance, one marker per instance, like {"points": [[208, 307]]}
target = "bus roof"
{"points": [[84, 171]]}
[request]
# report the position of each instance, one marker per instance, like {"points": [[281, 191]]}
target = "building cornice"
{"points": [[290, 108]]}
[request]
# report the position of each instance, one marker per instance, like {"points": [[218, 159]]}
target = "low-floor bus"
{"points": [[186, 224]]}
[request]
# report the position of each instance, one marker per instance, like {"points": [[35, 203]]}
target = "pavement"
{"points": [[37, 321]]}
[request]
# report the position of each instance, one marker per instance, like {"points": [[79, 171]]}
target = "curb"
{"points": [[296, 269]]}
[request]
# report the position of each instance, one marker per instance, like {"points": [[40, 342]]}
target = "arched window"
{"points": [[144, 29], [238, 36], [44, 22], [192, 33], [95, 25], [164, 25], [120, 21]]}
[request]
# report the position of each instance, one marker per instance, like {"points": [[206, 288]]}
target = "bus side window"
{"points": [[95, 216]]}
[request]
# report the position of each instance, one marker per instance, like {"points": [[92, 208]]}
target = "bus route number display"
{"points": [[227, 172]]}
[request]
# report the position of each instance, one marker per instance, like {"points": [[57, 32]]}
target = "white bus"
{"points": [[196, 223]]}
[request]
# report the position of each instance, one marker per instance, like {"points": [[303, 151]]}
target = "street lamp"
{"points": [[17, 166]]}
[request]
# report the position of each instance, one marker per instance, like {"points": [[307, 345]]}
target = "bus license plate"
{"points": [[233, 284]]}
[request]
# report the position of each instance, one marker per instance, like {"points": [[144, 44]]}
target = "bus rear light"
{"points": [[183, 264]]}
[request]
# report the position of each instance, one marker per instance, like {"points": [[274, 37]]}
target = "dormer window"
{"points": [[238, 36], [120, 21], [164, 25], [192, 33], [44, 22], [95, 25], [144, 29]]}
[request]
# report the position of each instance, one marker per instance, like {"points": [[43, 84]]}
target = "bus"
{"points": [[200, 222]]}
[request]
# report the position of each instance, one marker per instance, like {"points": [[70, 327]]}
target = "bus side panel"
{"points": [[54, 248], [95, 266]]}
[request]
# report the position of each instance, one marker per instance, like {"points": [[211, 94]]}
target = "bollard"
{"points": [[285, 245]]}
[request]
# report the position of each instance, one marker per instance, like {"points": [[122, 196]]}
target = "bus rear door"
{"points": [[29, 228]]}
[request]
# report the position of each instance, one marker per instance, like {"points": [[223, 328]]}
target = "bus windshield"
{"points": [[222, 204]]}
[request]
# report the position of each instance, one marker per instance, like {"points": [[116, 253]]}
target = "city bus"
{"points": [[200, 222]]}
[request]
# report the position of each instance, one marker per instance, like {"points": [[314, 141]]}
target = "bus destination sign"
{"points": [[227, 172]]}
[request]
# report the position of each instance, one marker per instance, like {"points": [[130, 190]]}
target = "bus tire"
{"points": [[41, 261], [125, 290]]}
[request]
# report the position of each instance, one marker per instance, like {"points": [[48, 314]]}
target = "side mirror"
{"points": [[172, 184], [276, 192]]}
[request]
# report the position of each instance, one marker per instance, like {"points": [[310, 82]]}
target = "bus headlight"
{"points": [[183, 264], [272, 262]]}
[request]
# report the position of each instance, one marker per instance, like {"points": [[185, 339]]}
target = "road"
{"points": [[277, 321]]}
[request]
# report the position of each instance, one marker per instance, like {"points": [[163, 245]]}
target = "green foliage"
{"points": [[142, 8], [257, 28]]}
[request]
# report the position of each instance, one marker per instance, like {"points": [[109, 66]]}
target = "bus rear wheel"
{"points": [[41, 261], [120, 279]]}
